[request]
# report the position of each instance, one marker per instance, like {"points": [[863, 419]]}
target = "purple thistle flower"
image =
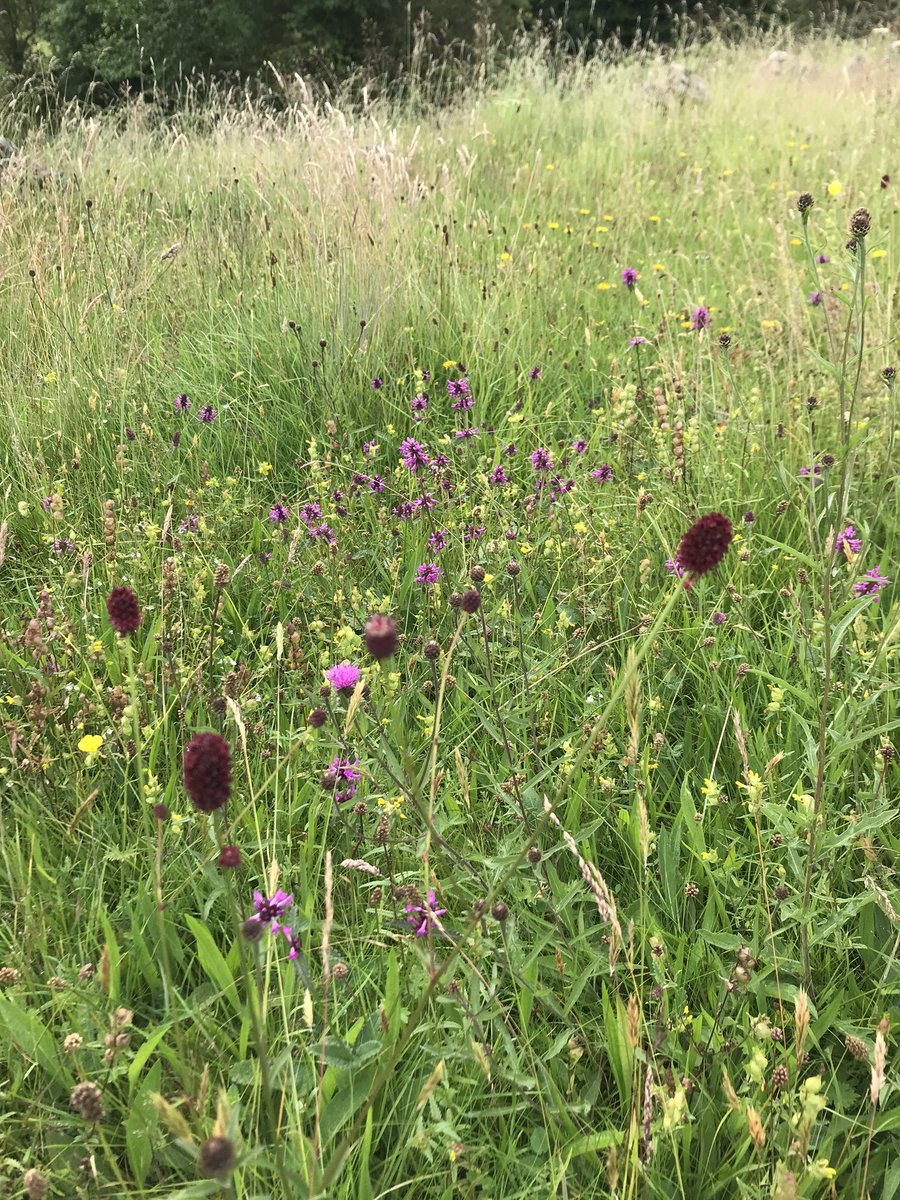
{"points": [[344, 677], [629, 277], [541, 460], [821, 259], [815, 469], [457, 389], [414, 455], [424, 503], [815, 299], [848, 540], [637, 341], [376, 484], [323, 532], [426, 376], [474, 532], [419, 405], [368, 447], [427, 574], [342, 777], [511, 450], [535, 373], [871, 583], [190, 524], [700, 318], [181, 403], [279, 513], [603, 473], [498, 476], [424, 916], [467, 433], [62, 546], [267, 910], [579, 446], [207, 414], [377, 382]]}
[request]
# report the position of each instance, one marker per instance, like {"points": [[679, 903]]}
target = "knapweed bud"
{"points": [[704, 545], [471, 601], [380, 636], [218, 1157], [229, 858], [317, 718], [477, 574], [805, 202], [123, 610], [432, 651], [888, 375], [499, 911], [207, 771], [512, 568], [860, 223]]}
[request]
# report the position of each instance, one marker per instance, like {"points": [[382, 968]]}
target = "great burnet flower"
{"points": [[207, 771], [123, 610], [380, 636], [704, 545]]}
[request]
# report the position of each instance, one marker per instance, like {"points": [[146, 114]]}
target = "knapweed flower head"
{"points": [[846, 540], [427, 574], [718, 618], [704, 545], [822, 259], [871, 583], [344, 677], [419, 405], [181, 403], [207, 414], [380, 636], [268, 909], [805, 202], [815, 299], [457, 389], [207, 771], [603, 473], [414, 455], [341, 777], [541, 460], [123, 610], [424, 916], [629, 277], [279, 513], [860, 223], [700, 318], [637, 341], [377, 383], [293, 941], [534, 373]]}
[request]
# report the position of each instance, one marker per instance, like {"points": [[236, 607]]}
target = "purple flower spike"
{"points": [[871, 583], [425, 916]]}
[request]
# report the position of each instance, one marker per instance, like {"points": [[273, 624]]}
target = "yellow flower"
{"points": [[654, 218], [449, 364], [584, 212], [821, 1170], [878, 254], [264, 468], [834, 188], [710, 788], [796, 242], [96, 647], [90, 743], [553, 224], [657, 267]]}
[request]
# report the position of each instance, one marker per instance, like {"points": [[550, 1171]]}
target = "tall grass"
{"points": [[658, 822]]}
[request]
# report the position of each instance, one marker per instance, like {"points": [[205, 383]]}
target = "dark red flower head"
{"points": [[704, 545], [124, 612], [207, 771], [229, 858], [471, 601], [380, 636]]}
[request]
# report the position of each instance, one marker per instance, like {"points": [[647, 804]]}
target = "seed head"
{"points": [[534, 856], [779, 1077], [123, 610], [471, 601], [207, 771], [218, 1157], [87, 1100], [35, 1185], [704, 545], [380, 636], [857, 1048]]}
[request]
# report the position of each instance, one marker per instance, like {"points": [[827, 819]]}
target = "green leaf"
{"points": [[141, 1124], [213, 963], [33, 1040]]}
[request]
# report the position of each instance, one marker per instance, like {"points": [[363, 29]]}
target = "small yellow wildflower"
{"points": [[834, 188], [90, 744], [264, 468], [878, 254]]}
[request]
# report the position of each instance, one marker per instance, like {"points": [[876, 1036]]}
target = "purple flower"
{"points": [[368, 447], [341, 777], [62, 546], [427, 574], [424, 916], [311, 512], [376, 484], [541, 460], [377, 382], [815, 469], [190, 524], [267, 910], [46, 503], [848, 539], [637, 341], [871, 583], [603, 473], [498, 476], [181, 403], [457, 389], [821, 259], [325, 532], [207, 414], [130, 434], [344, 677], [419, 405], [815, 299], [414, 455], [718, 618], [176, 438], [674, 567], [438, 540], [474, 532], [279, 513], [293, 941], [579, 446], [700, 318], [535, 373], [629, 277], [467, 433], [511, 450]]}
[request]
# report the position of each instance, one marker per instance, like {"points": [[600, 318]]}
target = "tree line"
{"points": [[121, 43]]}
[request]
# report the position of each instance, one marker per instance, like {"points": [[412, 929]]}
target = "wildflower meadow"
{"points": [[449, 662]]}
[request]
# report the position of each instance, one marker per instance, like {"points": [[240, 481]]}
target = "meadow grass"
{"points": [[610, 908]]}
